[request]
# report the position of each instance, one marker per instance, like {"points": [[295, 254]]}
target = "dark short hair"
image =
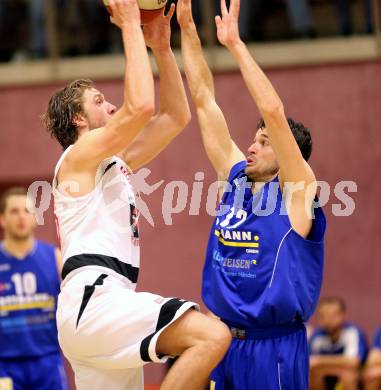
{"points": [[334, 300], [12, 191], [63, 107], [301, 134]]}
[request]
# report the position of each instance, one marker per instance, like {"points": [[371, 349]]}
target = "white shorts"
{"points": [[108, 331]]}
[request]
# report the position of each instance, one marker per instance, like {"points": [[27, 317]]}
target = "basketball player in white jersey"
{"points": [[107, 330]]}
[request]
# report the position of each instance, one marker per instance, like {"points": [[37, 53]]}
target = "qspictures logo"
{"points": [[178, 196]]}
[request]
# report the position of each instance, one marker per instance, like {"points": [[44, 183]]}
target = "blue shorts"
{"points": [[40, 373], [266, 359]]}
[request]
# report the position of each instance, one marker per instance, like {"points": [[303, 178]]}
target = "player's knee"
{"points": [[218, 337], [371, 377], [316, 379], [369, 383], [349, 377]]}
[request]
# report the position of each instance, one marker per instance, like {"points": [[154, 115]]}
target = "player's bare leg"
{"points": [[317, 379], [201, 342], [348, 377], [370, 384], [372, 372]]}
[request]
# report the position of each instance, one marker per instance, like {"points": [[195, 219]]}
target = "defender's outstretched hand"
{"points": [[227, 25], [124, 12], [184, 13], [157, 34]]}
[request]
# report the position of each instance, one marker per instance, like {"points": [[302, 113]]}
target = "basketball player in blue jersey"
{"points": [[107, 330], [338, 348], [264, 261], [30, 356]]}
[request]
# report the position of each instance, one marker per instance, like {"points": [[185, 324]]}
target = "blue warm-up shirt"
{"points": [[28, 299], [351, 342]]}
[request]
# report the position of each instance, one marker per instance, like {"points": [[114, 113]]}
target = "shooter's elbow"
{"points": [[142, 110]]}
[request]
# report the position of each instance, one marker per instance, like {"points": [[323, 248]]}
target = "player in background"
{"points": [[30, 355], [338, 348], [372, 371], [263, 270], [106, 329]]}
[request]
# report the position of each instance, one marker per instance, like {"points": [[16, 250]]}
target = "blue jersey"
{"points": [[377, 339], [259, 272], [351, 342], [28, 298]]}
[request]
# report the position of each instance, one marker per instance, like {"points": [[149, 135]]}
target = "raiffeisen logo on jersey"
{"points": [[233, 263], [234, 267]]}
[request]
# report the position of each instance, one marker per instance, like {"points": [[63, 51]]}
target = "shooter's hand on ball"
{"points": [[227, 25], [124, 12], [157, 34], [184, 13]]}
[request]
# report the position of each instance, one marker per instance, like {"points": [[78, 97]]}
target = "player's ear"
{"points": [[2, 223], [79, 121], [34, 221]]}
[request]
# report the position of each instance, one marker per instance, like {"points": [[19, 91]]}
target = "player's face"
{"points": [[97, 110], [18, 223], [331, 317], [261, 161]]}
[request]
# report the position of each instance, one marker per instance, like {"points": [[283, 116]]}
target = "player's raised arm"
{"points": [[292, 165], [293, 168], [138, 104], [174, 113], [221, 149]]}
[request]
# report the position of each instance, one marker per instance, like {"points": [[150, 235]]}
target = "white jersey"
{"points": [[99, 229]]}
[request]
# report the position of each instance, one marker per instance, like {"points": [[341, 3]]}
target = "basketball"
{"points": [[149, 9]]}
